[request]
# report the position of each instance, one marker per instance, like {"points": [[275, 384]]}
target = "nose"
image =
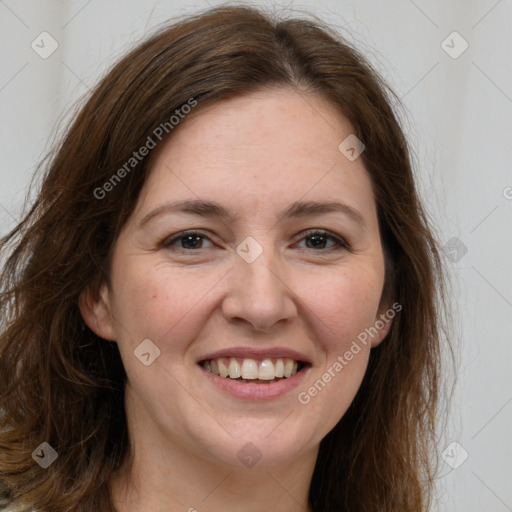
{"points": [[258, 293]]}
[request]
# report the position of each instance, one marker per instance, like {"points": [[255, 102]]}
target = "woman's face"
{"points": [[271, 282]]}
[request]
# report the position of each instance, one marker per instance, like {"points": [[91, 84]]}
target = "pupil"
{"points": [[317, 240], [187, 239]]}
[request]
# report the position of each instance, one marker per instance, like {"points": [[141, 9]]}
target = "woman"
{"points": [[225, 296]]}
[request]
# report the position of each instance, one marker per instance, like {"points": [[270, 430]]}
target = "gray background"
{"points": [[458, 118]]}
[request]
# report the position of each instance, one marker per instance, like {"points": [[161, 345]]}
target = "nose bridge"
{"points": [[257, 293]]}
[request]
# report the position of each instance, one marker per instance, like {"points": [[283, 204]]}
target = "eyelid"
{"points": [[168, 241], [338, 240]]}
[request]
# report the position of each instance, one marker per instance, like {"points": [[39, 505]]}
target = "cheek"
{"points": [[345, 308], [347, 305], [158, 302]]}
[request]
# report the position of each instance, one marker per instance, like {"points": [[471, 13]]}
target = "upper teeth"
{"points": [[251, 368]]}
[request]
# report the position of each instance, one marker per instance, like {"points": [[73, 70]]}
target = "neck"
{"points": [[173, 481], [162, 474]]}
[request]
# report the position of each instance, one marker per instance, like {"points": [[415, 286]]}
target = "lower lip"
{"points": [[255, 392]]}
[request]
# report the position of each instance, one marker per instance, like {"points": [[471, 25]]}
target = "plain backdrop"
{"points": [[458, 113]]}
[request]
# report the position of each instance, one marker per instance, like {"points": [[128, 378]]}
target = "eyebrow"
{"points": [[298, 209]]}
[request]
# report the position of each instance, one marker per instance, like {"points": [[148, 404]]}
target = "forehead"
{"points": [[259, 151]]}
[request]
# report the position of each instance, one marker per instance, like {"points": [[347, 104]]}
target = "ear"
{"points": [[383, 322], [95, 310]]}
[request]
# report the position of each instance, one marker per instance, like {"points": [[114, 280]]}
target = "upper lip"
{"points": [[257, 353]]}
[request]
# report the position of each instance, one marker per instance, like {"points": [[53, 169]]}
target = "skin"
{"points": [[255, 154]]}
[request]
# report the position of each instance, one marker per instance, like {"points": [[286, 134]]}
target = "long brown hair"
{"points": [[61, 384]]}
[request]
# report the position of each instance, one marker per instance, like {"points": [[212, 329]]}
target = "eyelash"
{"points": [[340, 242]]}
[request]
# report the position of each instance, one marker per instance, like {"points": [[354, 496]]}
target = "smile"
{"points": [[254, 371]]}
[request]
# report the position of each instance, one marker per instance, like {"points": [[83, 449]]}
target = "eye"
{"points": [[315, 239], [319, 239], [188, 240]]}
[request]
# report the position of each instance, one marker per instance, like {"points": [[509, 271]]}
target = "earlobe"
{"points": [[95, 310], [382, 324]]}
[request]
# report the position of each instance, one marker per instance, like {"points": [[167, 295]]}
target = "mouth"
{"points": [[254, 371]]}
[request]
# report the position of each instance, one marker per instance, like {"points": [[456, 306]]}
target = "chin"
{"points": [[254, 443]]}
